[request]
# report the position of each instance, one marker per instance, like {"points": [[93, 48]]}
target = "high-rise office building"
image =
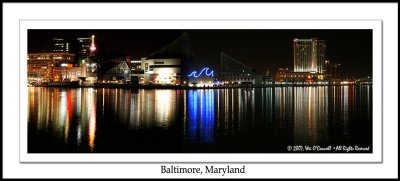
{"points": [[86, 55], [83, 47], [332, 72], [86, 46], [309, 55], [60, 45]]}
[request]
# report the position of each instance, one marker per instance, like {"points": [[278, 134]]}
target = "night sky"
{"points": [[259, 49]]}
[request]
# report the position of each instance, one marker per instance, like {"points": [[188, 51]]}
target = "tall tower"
{"points": [[309, 55], [92, 46], [86, 51]]}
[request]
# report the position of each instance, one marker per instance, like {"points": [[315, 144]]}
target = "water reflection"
{"points": [[209, 120], [91, 104], [200, 116], [310, 115], [53, 115]]}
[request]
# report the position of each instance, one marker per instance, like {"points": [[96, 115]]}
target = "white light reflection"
{"points": [[345, 109], [91, 102], [164, 102], [63, 109]]}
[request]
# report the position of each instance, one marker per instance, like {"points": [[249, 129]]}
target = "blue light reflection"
{"points": [[200, 116]]}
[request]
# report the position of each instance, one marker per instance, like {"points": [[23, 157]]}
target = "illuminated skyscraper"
{"points": [[60, 45], [86, 46], [86, 54], [309, 55], [83, 46]]}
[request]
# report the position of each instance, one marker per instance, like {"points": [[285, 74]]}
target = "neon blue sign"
{"points": [[205, 70]]}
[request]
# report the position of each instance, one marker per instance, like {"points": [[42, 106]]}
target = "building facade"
{"points": [[286, 76], [332, 72], [202, 77], [162, 71], [83, 47], [85, 55], [60, 45], [236, 73], [118, 73], [309, 55], [267, 79], [41, 66], [137, 73], [67, 72]]}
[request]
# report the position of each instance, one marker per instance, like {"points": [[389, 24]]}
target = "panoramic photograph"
{"points": [[200, 91]]}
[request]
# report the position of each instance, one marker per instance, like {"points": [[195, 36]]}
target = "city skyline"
{"points": [[196, 91], [259, 49]]}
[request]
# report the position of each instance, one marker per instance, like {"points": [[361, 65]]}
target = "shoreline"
{"points": [[130, 86]]}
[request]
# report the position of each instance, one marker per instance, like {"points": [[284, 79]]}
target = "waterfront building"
{"points": [[163, 67], [235, 73], [309, 55], [364, 81], [347, 78], [60, 45], [309, 63], [162, 71], [137, 73], [67, 72], [41, 66], [167, 65], [177, 52], [267, 78], [332, 72], [117, 71], [286, 76], [202, 77]]}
